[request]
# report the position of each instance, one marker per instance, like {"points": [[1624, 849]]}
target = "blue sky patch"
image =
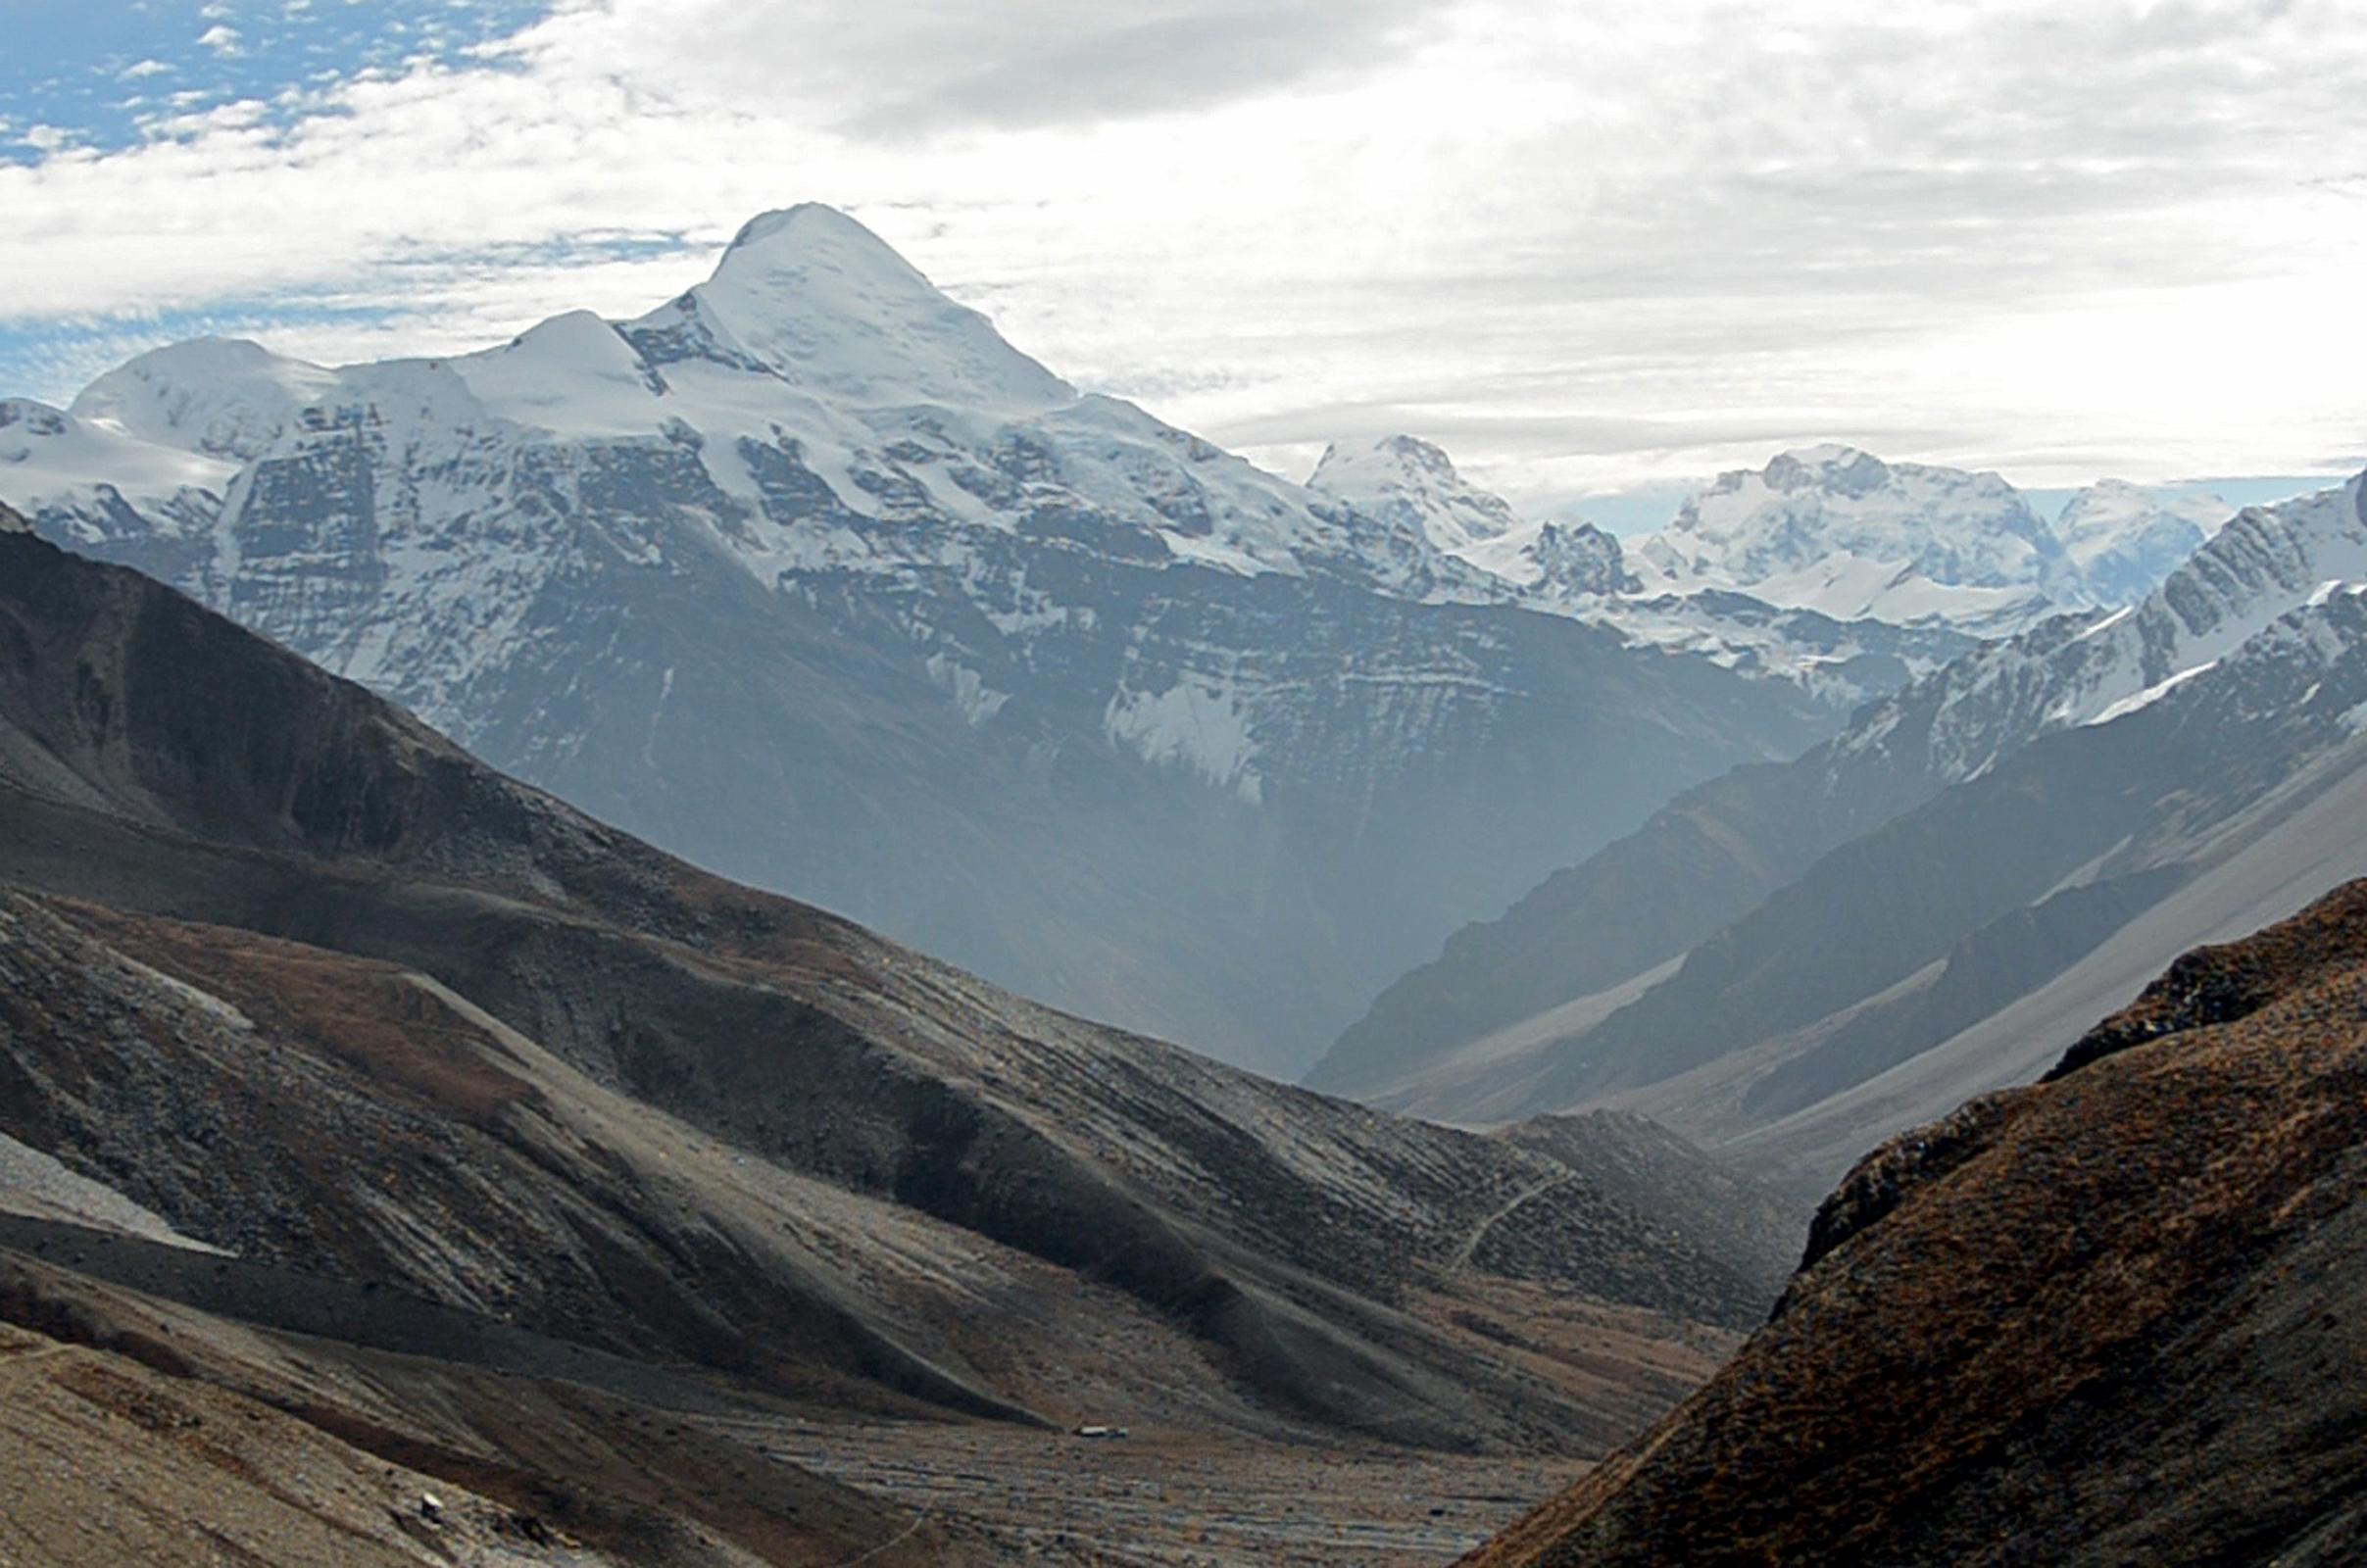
{"points": [[108, 76]]}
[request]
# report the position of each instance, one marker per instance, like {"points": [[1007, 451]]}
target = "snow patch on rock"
{"points": [[1194, 724], [978, 702]]}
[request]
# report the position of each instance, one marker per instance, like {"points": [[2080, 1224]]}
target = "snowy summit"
{"points": [[2125, 539], [1840, 531]]}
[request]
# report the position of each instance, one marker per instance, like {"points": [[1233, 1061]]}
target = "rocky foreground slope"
{"points": [[2114, 1318], [435, 1066]]}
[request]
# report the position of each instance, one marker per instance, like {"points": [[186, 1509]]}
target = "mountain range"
{"points": [[810, 577], [1576, 569], [1800, 960], [1839, 530]]}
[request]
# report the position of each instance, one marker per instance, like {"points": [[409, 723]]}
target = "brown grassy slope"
{"points": [[139, 1430], [2113, 1318]]}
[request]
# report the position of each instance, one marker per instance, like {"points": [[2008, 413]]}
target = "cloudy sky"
{"points": [[1587, 246]]}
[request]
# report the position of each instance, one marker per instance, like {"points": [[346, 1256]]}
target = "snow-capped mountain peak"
{"points": [[1837, 530], [825, 303], [573, 373], [2125, 539], [1411, 482], [1842, 469], [223, 397], [1411, 486]]}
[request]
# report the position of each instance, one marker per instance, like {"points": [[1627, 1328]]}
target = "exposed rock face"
{"points": [[810, 577], [1576, 558], [2110, 1319], [293, 974]]}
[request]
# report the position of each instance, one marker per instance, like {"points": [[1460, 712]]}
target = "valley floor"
{"points": [[1176, 1500], [137, 1428]]}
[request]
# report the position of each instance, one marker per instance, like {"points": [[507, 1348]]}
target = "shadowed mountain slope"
{"points": [[2114, 1318]]}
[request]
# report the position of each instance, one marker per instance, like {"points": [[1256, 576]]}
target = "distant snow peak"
{"points": [[1411, 483], [2126, 539], [805, 225], [1840, 469], [1412, 486], [1837, 530]]}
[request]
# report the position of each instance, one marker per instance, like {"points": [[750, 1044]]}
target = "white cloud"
{"points": [[1587, 245], [221, 39], [141, 68]]}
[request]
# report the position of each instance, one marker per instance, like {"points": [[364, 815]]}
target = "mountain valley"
{"points": [[1792, 962], [455, 1105], [348, 1078]]}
